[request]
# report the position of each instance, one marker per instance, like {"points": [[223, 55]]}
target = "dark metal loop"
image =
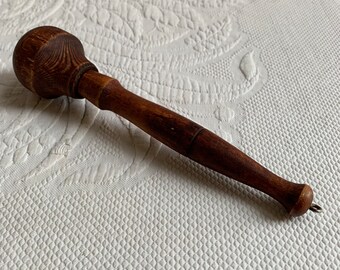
{"points": [[315, 208]]}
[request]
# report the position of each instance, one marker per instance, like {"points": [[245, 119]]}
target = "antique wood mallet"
{"points": [[51, 62]]}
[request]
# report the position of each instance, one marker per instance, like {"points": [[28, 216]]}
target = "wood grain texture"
{"points": [[51, 62], [192, 140]]}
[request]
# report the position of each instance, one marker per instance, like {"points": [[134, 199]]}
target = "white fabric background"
{"points": [[83, 189]]}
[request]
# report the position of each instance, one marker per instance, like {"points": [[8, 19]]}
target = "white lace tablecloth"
{"points": [[84, 189]]}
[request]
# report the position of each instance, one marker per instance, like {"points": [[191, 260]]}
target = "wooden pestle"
{"points": [[51, 62]]}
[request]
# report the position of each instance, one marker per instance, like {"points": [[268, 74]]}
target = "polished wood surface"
{"points": [[51, 63]]}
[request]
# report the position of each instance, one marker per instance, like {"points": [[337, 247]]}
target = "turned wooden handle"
{"points": [[51, 62]]}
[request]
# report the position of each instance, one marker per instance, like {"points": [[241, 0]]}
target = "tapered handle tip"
{"points": [[303, 203]]}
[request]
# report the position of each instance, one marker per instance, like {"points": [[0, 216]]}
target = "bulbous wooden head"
{"points": [[50, 62]]}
